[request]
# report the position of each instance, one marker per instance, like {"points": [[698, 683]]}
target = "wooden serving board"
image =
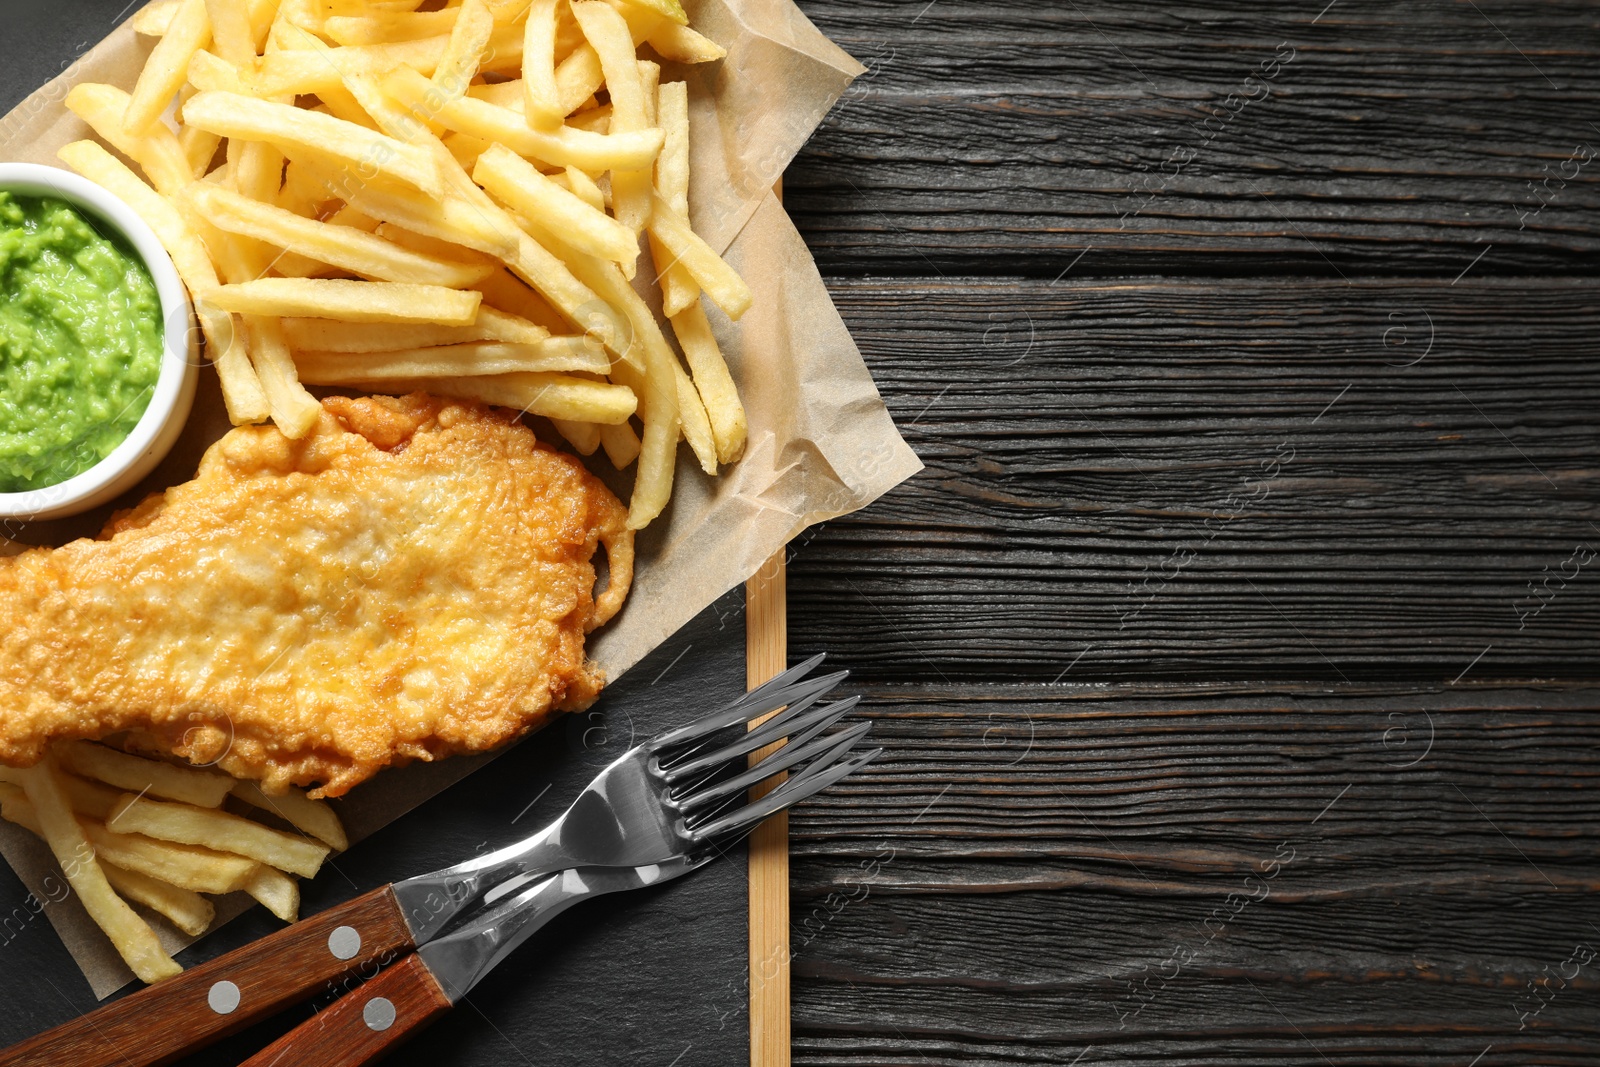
{"points": [[766, 655]]}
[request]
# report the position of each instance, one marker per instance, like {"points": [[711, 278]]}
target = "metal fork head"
{"points": [[668, 797], [655, 802], [732, 825], [783, 690], [525, 903]]}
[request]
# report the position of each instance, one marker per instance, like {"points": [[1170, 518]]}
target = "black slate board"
{"points": [[656, 976], [653, 976]]}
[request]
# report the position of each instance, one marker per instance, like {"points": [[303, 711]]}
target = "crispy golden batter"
{"points": [[412, 580]]}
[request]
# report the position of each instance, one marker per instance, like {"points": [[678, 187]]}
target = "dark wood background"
{"points": [[1245, 441]]}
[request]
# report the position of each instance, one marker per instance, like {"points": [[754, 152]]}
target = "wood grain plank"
{"points": [[1239, 479], [1206, 874], [1183, 138], [1202, 570]]}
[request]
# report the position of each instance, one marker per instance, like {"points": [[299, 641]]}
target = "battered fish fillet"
{"points": [[412, 580]]}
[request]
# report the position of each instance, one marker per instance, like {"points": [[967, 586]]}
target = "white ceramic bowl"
{"points": [[163, 420]]}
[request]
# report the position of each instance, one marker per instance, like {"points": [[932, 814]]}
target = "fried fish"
{"points": [[412, 580]]}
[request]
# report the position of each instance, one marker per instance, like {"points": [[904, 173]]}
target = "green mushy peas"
{"points": [[80, 342]]}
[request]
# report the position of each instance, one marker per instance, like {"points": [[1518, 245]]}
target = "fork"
{"points": [[658, 800], [660, 810]]}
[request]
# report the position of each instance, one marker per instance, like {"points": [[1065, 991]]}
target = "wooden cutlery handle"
{"points": [[188, 1012], [364, 1025]]}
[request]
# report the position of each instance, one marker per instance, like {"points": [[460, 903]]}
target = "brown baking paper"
{"points": [[821, 443]]}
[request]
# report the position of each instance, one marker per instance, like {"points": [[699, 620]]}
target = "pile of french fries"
{"points": [[129, 829], [359, 193]]}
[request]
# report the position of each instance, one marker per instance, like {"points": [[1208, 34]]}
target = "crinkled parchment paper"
{"points": [[821, 443]]}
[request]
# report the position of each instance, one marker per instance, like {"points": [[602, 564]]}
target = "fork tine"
{"points": [[763, 693], [806, 690], [803, 785], [778, 681], [732, 801], [693, 738], [750, 706], [795, 717], [800, 728], [781, 760]]}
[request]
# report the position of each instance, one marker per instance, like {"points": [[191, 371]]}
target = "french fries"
{"points": [[608, 34], [93, 800], [621, 445], [164, 72], [184, 908], [503, 291], [554, 396], [553, 354], [519, 184], [230, 33], [584, 188], [334, 298], [328, 335], [299, 132], [221, 831], [719, 281], [341, 246], [59, 827], [135, 774], [541, 97], [678, 288], [696, 425], [682, 44], [117, 845], [469, 39], [293, 409], [276, 891], [582, 436], [362, 194], [671, 10], [153, 21], [315, 817], [301, 73], [712, 381], [387, 27], [566, 146], [197, 869], [451, 219], [158, 151], [578, 78]]}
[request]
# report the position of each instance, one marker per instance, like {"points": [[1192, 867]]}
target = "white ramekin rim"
{"points": [[163, 419]]}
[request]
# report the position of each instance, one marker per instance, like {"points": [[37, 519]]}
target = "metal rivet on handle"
{"points": [[344, 943], [379, 1014], [223, 997]]}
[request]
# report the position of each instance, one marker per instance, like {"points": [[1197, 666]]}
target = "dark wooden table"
{"points": [[1238, 654]]}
